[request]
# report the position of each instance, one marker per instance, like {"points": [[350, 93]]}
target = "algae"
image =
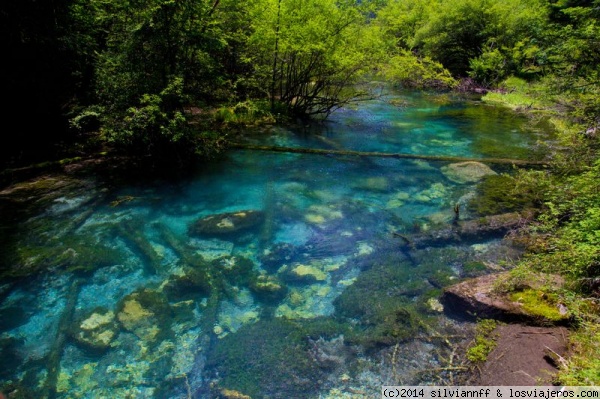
{"points": [[496, 194], [266, 358]]}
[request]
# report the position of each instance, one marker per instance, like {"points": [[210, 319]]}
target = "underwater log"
{"points": [[318, 151], [475, 229]]}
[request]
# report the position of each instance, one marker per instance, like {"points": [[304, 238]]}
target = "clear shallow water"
{"points": [[315, 298]]}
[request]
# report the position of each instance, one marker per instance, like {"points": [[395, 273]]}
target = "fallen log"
{"points": [[318, 151], [468, 230], [57, 349]]}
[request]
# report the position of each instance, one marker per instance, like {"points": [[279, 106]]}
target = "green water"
{"points": [[117, 292]]}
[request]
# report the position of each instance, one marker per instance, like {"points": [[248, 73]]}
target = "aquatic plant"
{"points": [[376, 300], [237, 270], [503, 193], [272, 258], [268, 358], [80, 254]]}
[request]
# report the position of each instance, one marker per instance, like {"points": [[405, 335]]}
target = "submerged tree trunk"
{"points": [[469, 230], [319, 151]]}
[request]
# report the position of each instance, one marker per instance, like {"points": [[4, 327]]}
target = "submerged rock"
{"points": [[97, 331], [467, 172], [377, 184], [226, 224], [268, 288], [146, 314], [321, 214], [304, 274]]}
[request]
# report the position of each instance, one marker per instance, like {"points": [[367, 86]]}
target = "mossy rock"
{"points": [[269, 358], [95, 331], [72, 254], [226, 224], [538, 303], [193, 283], [147, 314], [529, 302], [268, 289]]}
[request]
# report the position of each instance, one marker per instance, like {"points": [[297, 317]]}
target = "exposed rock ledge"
{"points": [[524, 355], [476, 298]]}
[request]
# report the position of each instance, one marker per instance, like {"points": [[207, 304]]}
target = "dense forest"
{"points": [[172, 80]]}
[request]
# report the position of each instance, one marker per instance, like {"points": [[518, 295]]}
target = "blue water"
{"points": [[326, 230]]}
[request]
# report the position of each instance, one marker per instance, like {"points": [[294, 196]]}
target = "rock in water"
{"points": [[226, 224], [467, 172]]}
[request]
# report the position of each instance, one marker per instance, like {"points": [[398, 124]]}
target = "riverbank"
{"points": [[562, 239]]}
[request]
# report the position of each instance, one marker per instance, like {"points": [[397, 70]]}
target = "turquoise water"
{"points": [[121, 294]]}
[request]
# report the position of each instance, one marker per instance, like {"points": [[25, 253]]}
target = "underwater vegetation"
{"points": [[267, 358]]}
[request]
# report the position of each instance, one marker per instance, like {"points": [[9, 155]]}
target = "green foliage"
{"points": [[475, 37], [245, 113], [310, 54], [417, 72], [155, 127], [484, 341], [489, 67], [573, 215], [518, 94], [582, 368]]}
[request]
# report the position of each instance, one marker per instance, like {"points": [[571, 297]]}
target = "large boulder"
{"points": [[467, 172], [478, 298], [226, 224]]}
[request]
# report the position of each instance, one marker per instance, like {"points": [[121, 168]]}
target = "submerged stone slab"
{"points": [[467, 172], [477, 298], [225, 224]]}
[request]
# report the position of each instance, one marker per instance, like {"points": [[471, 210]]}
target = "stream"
{"points": [[262, 275]]}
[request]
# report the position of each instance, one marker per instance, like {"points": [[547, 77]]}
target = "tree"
{"points": [[310, 53]]}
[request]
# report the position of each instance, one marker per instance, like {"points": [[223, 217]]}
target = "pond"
{"points": [[278, 275]]}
